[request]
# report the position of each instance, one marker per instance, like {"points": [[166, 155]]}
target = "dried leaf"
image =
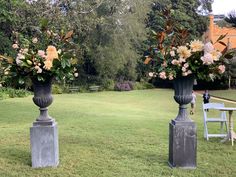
{"points": [[221, 37], [68, 35], [221, 42], [147, 60]]}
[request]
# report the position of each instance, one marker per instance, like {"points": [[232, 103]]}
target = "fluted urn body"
{"points": [[43, 98], [183, 87]]}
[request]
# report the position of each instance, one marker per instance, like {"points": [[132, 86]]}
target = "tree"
{"points": [[231, 18]]}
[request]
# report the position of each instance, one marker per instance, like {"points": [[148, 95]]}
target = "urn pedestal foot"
{"points": [[182, 144], [44, 144]]}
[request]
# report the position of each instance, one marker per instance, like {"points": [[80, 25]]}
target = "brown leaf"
{"points": [[147, 60], [221, 42], [68, 35]]}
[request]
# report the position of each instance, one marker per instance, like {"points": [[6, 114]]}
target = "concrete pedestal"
{"points": [[182, 144], [44, 144]]}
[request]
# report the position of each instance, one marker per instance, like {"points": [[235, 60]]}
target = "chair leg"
{"points": [[222, 127], [206, 131]]}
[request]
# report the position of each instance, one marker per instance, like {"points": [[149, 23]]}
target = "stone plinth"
{"points": [[182, 144], [44, 145]]}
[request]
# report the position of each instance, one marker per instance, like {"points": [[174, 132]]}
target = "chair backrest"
{"points": [[212, 106]]}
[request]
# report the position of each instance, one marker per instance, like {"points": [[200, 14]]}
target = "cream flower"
{"points": [[183, 52], [171, 77], [76, 74], [196, 45], [15, 46], [172, 53], [35, 40], [216, 55]]}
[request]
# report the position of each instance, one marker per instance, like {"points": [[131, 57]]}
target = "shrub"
{"points": [[57, 89], [143, 85], [12, 93], [124, 86]]}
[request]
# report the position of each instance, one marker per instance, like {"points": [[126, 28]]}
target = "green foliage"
{"points": [[57, 89], [142, 85], [13, 93], [184, 14], [231, 18]]}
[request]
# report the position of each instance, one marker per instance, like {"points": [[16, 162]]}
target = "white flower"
{"points": [[76, 74], [59, 51], [151, 74], [212, 76], [184, 69]]}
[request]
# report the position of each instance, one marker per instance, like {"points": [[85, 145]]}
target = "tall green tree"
{"points": [[231, 18]]}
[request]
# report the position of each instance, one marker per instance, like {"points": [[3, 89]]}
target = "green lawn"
{"points": [[229, 94], [108, 134]]}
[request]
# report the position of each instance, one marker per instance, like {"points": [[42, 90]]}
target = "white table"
{"points": [[231, 134]]}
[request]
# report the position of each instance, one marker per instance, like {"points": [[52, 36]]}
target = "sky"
{"points": [[223, 6]]}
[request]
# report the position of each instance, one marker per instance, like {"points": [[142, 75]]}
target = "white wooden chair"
{"points": [[222, 119]]}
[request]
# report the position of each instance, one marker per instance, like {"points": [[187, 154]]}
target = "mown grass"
{"points": [[229, 94], [107, 134]]}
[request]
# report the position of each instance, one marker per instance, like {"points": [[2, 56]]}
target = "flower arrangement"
{"points": [[171, 55], [197, 58], [46, 55]]}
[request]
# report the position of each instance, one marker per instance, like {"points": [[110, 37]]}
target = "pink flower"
{"points": [[164, 64], [221, 69], [175, 62], [207, 59], [162, 75], [41, 53], [208, 47], [186, 65]]}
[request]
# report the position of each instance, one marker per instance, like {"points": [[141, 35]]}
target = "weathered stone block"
{"points": [[44, 145], [182, 144]]}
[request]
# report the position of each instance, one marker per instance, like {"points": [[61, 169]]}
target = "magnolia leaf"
{"points": [[68, 35], [147, 60], [221, 37], [229, 55], [153, 32], [221, 42]]}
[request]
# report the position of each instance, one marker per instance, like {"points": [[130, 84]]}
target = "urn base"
{"points": [[44, 145], [182, 144]]}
